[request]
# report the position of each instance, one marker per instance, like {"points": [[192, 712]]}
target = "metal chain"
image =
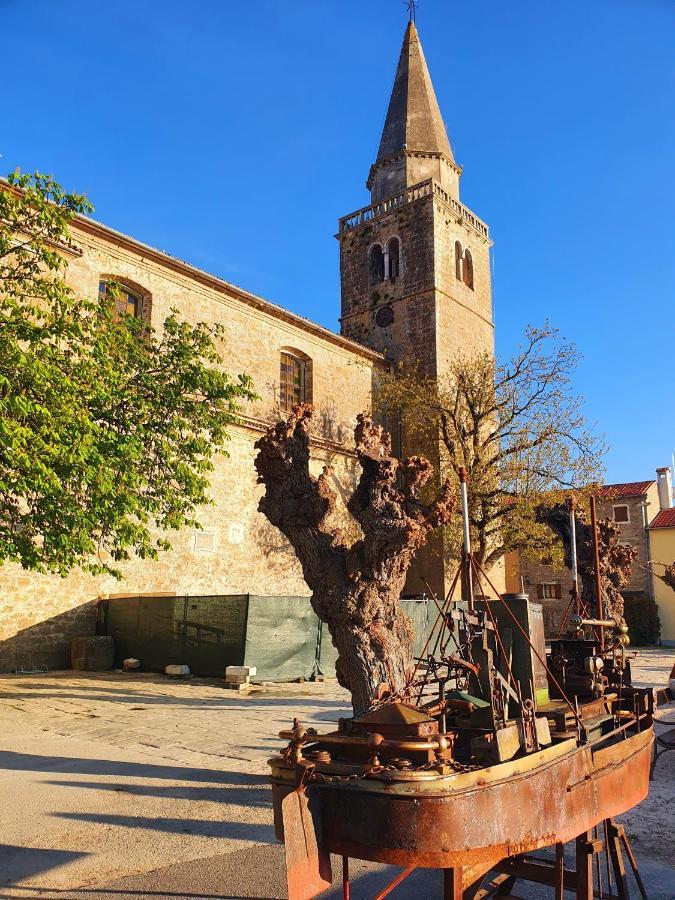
{"points": [[459, 768]]}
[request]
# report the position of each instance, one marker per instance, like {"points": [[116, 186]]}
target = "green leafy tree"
{"points": [[518, 429], [108, 428]]}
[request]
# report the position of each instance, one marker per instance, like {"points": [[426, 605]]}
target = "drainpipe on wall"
{"points": [[645, 531]]}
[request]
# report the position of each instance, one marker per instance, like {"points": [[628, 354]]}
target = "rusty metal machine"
{"points": [[492, 751]]}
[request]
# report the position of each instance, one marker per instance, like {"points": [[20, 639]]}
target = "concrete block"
{"points": [[240, 670], [237, 679], [177, 670]]}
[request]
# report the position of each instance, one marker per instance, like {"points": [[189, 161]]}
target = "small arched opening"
{"points": [[458, 261], [376, 264], [468, 269], [394, 254]]}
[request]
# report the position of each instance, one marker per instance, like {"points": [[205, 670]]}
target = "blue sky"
{"points": [[234, 135]]}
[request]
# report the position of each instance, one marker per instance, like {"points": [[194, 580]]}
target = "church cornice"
{"points": [[232, 291], [414, 194]]}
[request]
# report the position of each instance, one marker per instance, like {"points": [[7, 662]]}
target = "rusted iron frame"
{"points": [[631, 859], [348, 741], [466, 528], [431, 634], [345, 878], [532, 647], [392, 884], [502, 649], [453, 883], [444, 621], [598, 577], [566, 615]]}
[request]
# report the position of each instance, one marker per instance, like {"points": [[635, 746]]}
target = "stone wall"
{"points": [[424, 317], [238, 552]]}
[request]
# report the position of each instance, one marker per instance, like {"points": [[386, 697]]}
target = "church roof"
{"points": [[414, 119]]}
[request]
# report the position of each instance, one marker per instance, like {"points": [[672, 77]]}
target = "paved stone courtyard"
{"points": [[136, 786]]}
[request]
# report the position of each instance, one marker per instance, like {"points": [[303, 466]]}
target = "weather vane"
{"points": [[412, 7]]}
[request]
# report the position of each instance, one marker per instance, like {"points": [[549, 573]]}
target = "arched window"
{"points": [[295, 380], [468, 269], [129, 301], [458, 261], [376, 264], [393, 252]]}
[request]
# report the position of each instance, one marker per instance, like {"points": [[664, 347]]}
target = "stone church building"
{"points": [[415, 285]]}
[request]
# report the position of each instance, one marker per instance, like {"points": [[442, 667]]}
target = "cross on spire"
{"points": [[412, 8]]}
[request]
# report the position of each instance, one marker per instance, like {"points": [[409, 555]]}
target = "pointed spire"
{"points": [[414, 120], [413, 130]]}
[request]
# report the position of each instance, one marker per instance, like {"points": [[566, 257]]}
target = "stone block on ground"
{"points": [[176, 670], [240, 670]]}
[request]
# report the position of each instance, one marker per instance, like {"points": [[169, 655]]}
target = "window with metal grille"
{"points": [[292, 382]]}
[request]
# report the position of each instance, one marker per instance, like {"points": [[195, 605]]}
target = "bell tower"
{"points": [[415, 263]]}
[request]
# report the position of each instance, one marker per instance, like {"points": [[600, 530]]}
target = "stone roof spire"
{"points": [[413, 127]]}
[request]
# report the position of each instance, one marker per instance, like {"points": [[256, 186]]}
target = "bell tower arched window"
{"points": [[394, 256], [468, 269], [376, 264], [458, 261]]}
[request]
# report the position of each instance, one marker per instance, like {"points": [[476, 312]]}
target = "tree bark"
{"points": [[356, 586]]}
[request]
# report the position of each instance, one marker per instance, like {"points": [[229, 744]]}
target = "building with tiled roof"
{"points": [[662, 552], [634, 506], [625, 489]]}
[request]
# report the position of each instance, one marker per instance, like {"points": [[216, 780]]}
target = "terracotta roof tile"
{"points": [[626, 489], [664, 519]]}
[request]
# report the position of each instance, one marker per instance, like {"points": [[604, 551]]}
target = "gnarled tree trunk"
{"points": [[616, 558], [355, 586]]}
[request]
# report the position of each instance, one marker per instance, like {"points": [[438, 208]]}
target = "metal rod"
{"points": [[431, 633], [466, 551], [575, 562], [598, 577], [345, 878], [399, 878]]}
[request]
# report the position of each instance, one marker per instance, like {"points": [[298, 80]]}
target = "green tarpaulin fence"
{"points": [[281, 636]]}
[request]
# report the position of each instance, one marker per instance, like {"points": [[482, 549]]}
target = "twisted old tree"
{"points": [[356, 585], [616, 558]]}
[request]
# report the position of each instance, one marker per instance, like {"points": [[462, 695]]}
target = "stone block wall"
{"points": [[238, 552]]}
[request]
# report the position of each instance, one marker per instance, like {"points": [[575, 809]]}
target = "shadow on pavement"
{"points": [[17, 863], [23, 762]]}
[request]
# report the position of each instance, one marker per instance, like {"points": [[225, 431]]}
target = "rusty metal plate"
{"points": [[308, 866]]}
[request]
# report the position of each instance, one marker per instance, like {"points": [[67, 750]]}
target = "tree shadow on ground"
{"points": [[242, 831], [28, 762], [140, 699], [221, 793], [17, 863]]}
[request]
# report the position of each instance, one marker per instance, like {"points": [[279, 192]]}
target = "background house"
{"points": [[662, 550], [633, 506]]}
